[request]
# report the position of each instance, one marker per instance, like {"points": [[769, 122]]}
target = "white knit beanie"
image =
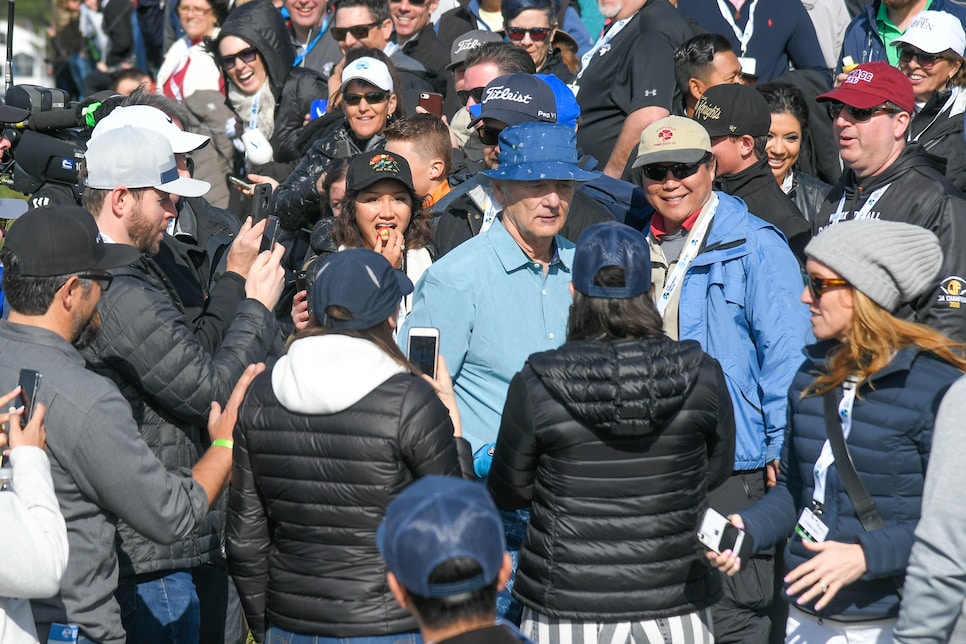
{"points": [[890, 262]]}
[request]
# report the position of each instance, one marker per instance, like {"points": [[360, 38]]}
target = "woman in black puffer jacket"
{"points": [[324, 442], [614, 440]]}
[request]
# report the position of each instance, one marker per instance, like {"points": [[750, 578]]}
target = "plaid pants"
{"points": [[692, 628]]}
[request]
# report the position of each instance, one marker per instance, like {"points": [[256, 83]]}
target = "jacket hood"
{"points": [[329, 373], [260, 24], [625, 388]]}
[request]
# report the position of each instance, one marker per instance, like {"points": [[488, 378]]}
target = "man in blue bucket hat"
{"points": [[505, 293]]}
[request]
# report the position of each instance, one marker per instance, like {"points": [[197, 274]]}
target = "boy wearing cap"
{"points": [[166, 374], [56, 272], [442, 540], [737, 119], [728, 280], [887, 178]]}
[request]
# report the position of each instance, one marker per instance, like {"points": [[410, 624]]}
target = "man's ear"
{"points": [[696, 88], [121, 198], [498, 192], [747, 146], [397, 590], [505, 571], [436, 169]]}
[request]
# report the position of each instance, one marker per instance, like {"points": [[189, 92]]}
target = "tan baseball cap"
{"points": [[674, 139]]}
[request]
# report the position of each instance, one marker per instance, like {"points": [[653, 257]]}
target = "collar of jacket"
{"points": [[901, 361], [755, 177]]}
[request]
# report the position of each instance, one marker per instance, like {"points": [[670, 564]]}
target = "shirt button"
{"points": [[536, 265], [544, 291], [551, 336]]}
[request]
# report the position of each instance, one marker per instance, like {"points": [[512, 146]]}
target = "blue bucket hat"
{"points": [[538, 151]]}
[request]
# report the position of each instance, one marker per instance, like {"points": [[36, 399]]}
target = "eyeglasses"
{"points": [[247, 56], [198, 11], [926, 61], [104, 279], [476, 93], [859, 114], [372, 98], [537, 34], [358, 31], [489, 135], [818, 285], [658, 171]]}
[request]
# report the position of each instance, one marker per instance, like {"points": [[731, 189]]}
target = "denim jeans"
{"points": [[515, 527], [276, 635], [160, 608]]}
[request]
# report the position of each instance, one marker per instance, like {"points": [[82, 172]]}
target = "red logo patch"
{"points": [[665, 134]]}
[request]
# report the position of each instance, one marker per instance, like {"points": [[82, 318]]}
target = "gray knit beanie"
{"points": [[890, 262]]}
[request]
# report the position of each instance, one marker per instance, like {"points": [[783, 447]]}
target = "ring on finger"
{"points": [[401, 246], [822, 586]]}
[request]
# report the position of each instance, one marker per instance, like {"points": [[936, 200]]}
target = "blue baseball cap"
{"points": [[568, 111], [612, 244], [361, 281], [435, 520], [517, 98], [538, 151]]}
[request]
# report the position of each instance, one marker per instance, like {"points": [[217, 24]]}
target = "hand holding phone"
{"points": [[717, 534], [432, 103], [270, 236], [261, 201], [424, 349]]}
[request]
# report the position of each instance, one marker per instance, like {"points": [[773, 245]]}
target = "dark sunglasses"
{"points": [[537, 34], [926, 61], [859, 114], [658, 171], [358, 31], [245, 55], [489, 135], [372, 98], [476, 93], [818, 285]]}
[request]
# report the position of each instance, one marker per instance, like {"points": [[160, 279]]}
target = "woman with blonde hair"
{"points": [[861, 414]]}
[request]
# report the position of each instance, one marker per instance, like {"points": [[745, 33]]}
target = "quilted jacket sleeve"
{"points": [[426, 433], [514, 466]]}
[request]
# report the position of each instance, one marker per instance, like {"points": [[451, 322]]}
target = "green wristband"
{"points": [[223, 442]]}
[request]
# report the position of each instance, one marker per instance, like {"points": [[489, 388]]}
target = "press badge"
{"points": [[61, 633], [810, 527]]}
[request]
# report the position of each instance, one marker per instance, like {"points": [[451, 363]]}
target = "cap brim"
{"points": [[509, 117], [185, 187], [539, 171], [186, 142], [405, 284], [116, 256], [680, 155], [852, 98], [10, 114]]}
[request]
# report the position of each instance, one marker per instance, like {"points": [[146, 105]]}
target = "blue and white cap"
{"points": [[370, 70], [133, 157]]}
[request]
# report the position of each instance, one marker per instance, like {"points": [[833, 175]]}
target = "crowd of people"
{"points": [[694, 273]]}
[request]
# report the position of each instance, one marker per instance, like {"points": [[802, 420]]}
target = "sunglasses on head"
{"points": [[658, 171], [537, 34], [245, 55], [372, 98], [859, 114], [489, 135], [476, 93], [925, 60], [358, 31], [818, 285]]}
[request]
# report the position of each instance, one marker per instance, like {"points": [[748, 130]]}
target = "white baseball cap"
{"points": [[151, 118], [371, 70], [934, 32], [135, 157]]}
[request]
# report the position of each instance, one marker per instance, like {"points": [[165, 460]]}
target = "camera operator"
{"points": [[34, 532]]}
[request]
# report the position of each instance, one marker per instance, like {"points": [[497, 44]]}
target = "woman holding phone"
{"points": [[874, 380]]}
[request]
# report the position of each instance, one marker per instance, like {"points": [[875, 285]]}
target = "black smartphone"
{"points": [[261, 201], [424, 349], [717, 534], [29, 386], [270, 236], [301, 281]]}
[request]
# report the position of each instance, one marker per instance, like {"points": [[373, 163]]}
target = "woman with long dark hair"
{"points": [[862, 405], [613, 440], [326, 439]]}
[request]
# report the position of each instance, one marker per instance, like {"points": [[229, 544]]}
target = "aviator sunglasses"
{"points": [[658, 171], [245, 55], [358, 31], [818, 285], [859, 114], [537, 34]]}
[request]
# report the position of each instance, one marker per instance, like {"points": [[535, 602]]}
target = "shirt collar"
{"points": [[512, 256], [659, 226]]}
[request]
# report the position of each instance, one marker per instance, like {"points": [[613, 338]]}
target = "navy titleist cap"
{"points": [[361, 281], [612, 244], [435, 520]]}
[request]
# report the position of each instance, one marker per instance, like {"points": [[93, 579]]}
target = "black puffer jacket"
{"points": [[614, 445], [169, 379], [808, 194], [323, 443]]}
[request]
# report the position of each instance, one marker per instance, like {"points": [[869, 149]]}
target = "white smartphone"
{"points": [[717, 534], [424, 348]]}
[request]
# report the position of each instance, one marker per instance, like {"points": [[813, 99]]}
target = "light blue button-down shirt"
{"points": [[493, 307]]}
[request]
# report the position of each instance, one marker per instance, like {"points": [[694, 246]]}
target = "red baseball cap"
{"points": [[872, 84]]}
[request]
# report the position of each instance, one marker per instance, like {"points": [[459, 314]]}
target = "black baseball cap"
{"points": [[733, 110], [368, 168], [63, 240]]}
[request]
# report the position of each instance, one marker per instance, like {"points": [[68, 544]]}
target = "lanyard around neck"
{"points": [[744, 37]]}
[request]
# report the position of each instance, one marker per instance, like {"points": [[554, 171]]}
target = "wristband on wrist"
{"points": [[223, 442]]}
